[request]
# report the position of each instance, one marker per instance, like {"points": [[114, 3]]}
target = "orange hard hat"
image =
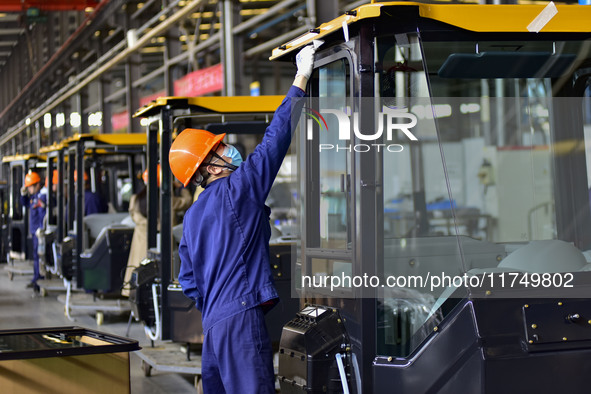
{"points": [[76, 176], [32, 178], [145, 175], [188, 151], [53, 179]]}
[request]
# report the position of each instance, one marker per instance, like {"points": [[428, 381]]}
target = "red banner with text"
{"points": [[197, 83]]}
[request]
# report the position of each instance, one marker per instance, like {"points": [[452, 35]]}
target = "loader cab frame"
{"points": [[108, 158], [500, 118], [56, 213], [244, 120]]}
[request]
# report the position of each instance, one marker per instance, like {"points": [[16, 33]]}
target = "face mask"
{"points": [[231, 152]]}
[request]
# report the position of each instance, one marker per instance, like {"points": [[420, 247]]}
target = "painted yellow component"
{"points": [[52, 148], [508, 17], [362, 12], [110, 139], [473, 17], [28, 156], [123, 139], [75, 138], [213, 104], [153, 107]]}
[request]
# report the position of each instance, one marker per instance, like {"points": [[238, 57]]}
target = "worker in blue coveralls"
{"points": [[35, 201], [224, 249], [93, 203]]}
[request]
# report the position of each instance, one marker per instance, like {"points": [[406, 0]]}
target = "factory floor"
{"points": [[20, 309]]}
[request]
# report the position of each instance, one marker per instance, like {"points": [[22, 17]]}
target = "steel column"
{"points": [[151, 163], [171, 50], [326, 10], [228, 58], [61, 223], [165, 218], [79, 209]]}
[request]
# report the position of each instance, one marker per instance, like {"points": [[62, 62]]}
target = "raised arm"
{"points": [[263, 164]]}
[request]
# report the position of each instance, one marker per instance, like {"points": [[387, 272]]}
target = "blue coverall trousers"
{"points": [[237, 356], [36, 274]]}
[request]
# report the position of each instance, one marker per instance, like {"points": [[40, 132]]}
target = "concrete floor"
{"points": [[20, 308]]}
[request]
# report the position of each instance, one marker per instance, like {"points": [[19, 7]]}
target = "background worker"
{"points": [[138, 210], [45, 257], [224, 250], [93, 203], [32, 198], [44, 190]]}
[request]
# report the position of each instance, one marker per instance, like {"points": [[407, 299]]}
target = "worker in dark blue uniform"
{"points": [[224, 250], [93, 203], [35, 201]]}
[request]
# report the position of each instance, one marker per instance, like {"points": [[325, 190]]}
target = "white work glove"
{"points": [[23, 191], [305, 61]]}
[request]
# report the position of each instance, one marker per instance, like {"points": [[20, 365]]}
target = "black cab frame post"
{"points": [[165, 214]]}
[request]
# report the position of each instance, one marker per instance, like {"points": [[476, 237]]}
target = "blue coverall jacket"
{"points": [[224, 250], [93, 203], [36, 204]]}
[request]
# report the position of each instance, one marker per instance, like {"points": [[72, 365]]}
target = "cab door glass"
{"points": [[326, 188], [418, 242], [333, 158]]}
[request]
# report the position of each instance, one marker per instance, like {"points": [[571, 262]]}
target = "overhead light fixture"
{"points": [[75, 119], [47, 120]]}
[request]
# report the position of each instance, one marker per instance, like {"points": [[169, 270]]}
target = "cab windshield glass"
{"points": [[499, 179]]}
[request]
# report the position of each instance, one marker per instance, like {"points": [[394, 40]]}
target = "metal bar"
{"points": [[165, 219], [277, 20], [79, 209], [228, 49], [275, 42], [50, 194], [151, 162], [139, 11], [104, 105], [60, 197], [259, 18]]}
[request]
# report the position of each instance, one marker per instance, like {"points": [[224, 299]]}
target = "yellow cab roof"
{"points": [[52, 148], [24, 157], [214, 104], [109, 139], [509, 18]]}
